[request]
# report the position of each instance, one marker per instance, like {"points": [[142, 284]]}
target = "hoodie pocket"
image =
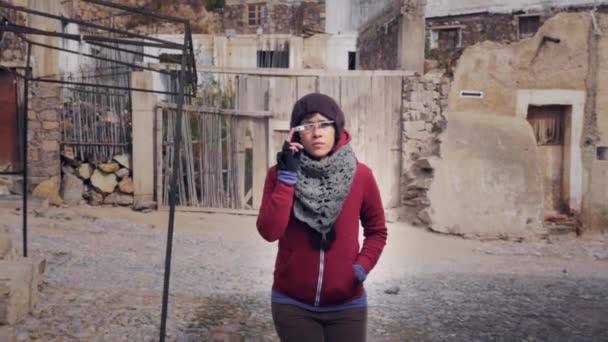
{"points": [[340, 282]]}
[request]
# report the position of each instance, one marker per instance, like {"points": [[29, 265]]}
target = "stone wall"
{"points": [[281, 18], [13, 49], [377, 43], [423, 120], [44, 132]]}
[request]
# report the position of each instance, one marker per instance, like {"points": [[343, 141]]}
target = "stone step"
{"points": [[561, 229], [19, 282]]}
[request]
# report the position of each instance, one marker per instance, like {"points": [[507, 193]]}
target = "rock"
{"points": [[105, 183], [16, 286], [71, 189], [7, 334], [126, 185], [425, 216], [67, 170], [601, 256], [109, 167], [16, 187], [392, 290], [123, 160], [49, 189], [118, 199], [427, 164], [420, 184], [68, 152], [144, 205], [122, 173], [7, 252], [392, 215], [4, 190], [84, 171], [93, 197]]}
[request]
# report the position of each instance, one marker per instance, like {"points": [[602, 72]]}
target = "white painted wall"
{"points": [[238, 51], [438, 8], [70, 63], [338, 48]]}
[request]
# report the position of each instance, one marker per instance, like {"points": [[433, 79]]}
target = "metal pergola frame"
{"points": [[186, 75]]}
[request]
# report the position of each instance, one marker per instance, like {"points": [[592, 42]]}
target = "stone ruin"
{"points": [[20, 280]]}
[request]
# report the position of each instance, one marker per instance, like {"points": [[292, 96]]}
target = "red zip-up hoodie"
{"points": [[316, 277]]}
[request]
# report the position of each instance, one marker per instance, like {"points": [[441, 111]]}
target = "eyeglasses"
{"points": [[310, 126]]}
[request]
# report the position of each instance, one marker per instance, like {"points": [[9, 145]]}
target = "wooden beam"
{"points": [[246, 212], [260, 114]]}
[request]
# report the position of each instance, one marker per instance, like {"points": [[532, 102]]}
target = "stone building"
{"points": [[274, 16], [451, 26], [527, 135]]}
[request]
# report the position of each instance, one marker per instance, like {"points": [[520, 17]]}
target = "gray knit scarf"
{"points": [[322, 188]]}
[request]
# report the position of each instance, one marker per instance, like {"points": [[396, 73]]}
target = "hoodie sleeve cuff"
{"points": [[360, 273], [288, 177]]}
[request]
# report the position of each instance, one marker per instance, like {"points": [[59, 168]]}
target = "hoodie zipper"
{"points": [[320, 280]]}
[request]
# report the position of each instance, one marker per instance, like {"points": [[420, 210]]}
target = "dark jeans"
{"points": [[294, 324]]}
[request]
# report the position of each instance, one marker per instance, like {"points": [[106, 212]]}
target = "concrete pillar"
{"points": [[143, 136], [412, 35]]}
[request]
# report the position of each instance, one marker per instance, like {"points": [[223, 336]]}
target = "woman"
{"points": [[313, 201]]}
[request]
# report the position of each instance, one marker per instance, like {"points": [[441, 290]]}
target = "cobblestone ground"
{"points": [[105, 269]]}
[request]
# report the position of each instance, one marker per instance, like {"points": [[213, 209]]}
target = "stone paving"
{"points": [[105, 268]]}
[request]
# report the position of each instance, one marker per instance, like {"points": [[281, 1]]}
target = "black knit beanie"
{"points": [[318, 103]]}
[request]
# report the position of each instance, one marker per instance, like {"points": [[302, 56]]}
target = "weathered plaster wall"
{"points": [[487, 184], [595, 203], [572, 66]]}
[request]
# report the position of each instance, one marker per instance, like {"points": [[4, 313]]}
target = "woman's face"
{"points": [[318, 140]]}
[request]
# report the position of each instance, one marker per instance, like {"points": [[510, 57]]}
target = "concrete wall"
{"points": [[514, 76]]}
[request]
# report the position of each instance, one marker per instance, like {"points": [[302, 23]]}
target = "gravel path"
{"points": [[105, 271]]}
